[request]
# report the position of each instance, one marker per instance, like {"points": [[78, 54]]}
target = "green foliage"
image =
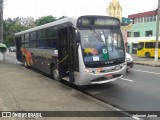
{"points": [[18, 24], [45, 19], [12, 26]]}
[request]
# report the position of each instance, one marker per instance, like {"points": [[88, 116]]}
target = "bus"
{"points": [[82, 50], [146, 48]]}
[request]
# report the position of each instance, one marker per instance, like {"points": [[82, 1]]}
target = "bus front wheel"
{"points": [[55, 73], [147, 55]]}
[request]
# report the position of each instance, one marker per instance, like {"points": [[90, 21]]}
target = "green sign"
{"points": [[3, 48], [3, 45], [126, 20], [105, 54]]}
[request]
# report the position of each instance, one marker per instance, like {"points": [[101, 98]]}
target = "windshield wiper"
{"points": [[97, 35]]}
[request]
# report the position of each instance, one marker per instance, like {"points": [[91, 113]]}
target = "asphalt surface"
{"points": [[137, 91]]}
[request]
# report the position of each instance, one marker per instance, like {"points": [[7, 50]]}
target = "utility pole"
{"points": [[157, 32], [1, 21]]}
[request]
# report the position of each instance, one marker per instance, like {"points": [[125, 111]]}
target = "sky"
{"points": [[58, 8]]}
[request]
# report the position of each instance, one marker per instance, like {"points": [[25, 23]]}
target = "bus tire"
{"points": [[55, 73], [82, 87], [147, 54]]}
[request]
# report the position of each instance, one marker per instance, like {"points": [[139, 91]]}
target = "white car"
{"points": [[129, 61]]}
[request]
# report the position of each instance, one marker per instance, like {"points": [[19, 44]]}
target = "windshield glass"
{"points": [[102, 44]]}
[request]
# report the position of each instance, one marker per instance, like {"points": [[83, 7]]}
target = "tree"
{"points": [[12, 26], [27, 22], [44, 20]]}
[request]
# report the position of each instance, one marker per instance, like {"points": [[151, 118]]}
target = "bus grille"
{"points": [[103, 78]]}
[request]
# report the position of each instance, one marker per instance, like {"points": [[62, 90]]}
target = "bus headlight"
{"points": [[88, 71], [128, 59], [122, 65], [118, 67], [92, 71]]}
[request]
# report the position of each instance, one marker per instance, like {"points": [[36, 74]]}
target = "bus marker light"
{"points": [[100, 69]]}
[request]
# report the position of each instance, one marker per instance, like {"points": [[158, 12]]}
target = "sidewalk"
{"points": [[27, 90], [1, 56], [148, 63], [145, 61]]}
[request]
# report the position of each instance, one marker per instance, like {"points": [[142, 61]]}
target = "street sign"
{"points": [[126, 20]]}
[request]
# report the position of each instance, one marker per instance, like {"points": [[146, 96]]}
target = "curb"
{"points": [[146, 64]]}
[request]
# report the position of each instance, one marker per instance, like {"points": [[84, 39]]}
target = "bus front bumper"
{"points": [[98, 81], [85, 78]]}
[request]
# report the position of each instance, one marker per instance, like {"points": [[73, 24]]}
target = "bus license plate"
{"points": [[108, 76]]}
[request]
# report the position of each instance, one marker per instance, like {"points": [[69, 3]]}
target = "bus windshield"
{"points": [[102, 44]]}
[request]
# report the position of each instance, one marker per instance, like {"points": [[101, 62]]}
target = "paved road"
{"points": [[137, 91]]}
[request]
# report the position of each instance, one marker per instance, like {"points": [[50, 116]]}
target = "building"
{"points": [[114, 9], [143, 28]]}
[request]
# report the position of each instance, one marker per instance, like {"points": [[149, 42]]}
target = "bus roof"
{"points": [[72, 20], [58, 22]]}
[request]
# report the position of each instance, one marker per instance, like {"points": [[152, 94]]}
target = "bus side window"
{"points": [[140, 45], [154, 45], [158, 45], [149, 45]]}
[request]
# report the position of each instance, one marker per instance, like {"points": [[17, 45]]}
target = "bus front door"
{"points": [[18, 48], [63, 53], [67, 54]]}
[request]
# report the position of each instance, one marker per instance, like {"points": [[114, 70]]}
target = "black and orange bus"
{"points": [[84, 50]]}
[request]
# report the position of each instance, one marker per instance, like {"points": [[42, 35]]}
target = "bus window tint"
{"points": [[101, 44], [33, 38], [27, 37], [41, 34], [51, 37], [41, 38], [51, 43], [32, 43], [41, 43], [33, 35], [51, 33], [150, 45], [140, 45]]}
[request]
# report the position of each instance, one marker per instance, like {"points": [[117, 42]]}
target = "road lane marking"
{"points": [[127, 80], [147, 72]]}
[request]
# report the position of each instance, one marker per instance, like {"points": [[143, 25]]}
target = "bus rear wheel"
{"points": [[147, 55], [55, 73]]}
